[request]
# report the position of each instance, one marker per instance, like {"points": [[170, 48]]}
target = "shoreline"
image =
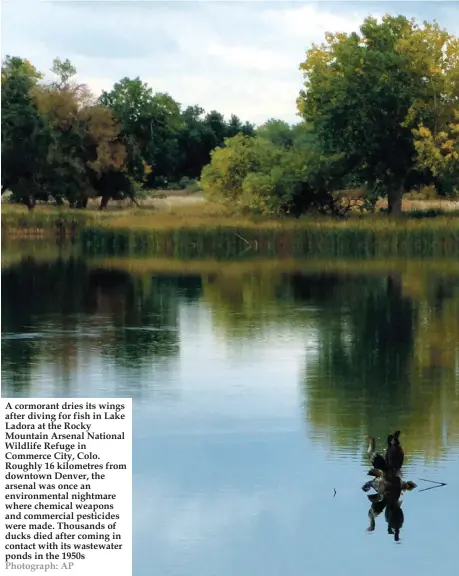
{"points": [[196, 229]]}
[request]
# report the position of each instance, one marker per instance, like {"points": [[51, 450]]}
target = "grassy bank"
{"points": [[15, 250], [206, 230]]}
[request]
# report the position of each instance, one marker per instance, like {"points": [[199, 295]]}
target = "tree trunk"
{"points": [[103, 202], [30, 201], [394, 200], [394, 285], [82, 203]]}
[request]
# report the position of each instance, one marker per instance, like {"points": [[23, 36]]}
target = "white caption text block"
{"points": [[66, 489]]}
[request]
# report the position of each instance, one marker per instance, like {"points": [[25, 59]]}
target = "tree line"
{"points": [[379, 114], [381, 111], [59, 140]]}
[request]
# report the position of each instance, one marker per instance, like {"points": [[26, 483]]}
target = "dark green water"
{"points": [[254, 385]]}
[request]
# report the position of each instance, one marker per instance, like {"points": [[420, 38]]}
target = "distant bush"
{"points": [[160, 182], [255, 175], [190, 185], [185, 182], [173, 186]]}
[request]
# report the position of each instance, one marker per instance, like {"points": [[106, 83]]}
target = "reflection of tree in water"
{"points": [[145, 313], [53, 311], [32, 289], [18, 358], [39, 299], [386, 357], [365, 343], [375, 367], [242, 304]]}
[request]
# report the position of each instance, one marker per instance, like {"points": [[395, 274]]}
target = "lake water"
{"points": [[254, 385]]}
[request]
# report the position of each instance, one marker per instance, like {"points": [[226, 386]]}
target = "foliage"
{"points": [[246, 173], [365, 93], [131, 103], [25, 135], [439, 152], [169, 142], [85, 150], [280, 133], [200, 134], [379, 116], [273, 174], [59, 141]]}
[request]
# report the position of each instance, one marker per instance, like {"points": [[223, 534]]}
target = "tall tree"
{"points": [[25, 136], [194, 151], [150, 127], [131, 102], [365, 93], [436, 53], [84, 147], [278, 132]]}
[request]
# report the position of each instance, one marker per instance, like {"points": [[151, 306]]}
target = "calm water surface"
{"points": [[254, 387]]}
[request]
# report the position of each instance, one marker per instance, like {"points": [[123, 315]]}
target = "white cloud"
{"points": [[308, 23], [247, 57], [240, 58]]}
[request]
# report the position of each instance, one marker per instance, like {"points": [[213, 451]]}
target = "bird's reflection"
{"points": [[393, 513], [388, 485]]}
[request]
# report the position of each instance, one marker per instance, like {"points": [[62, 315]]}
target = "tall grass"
{"points": [[14, 250], [313, 241], [191, 232]]}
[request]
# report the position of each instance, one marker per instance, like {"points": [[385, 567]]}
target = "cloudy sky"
{"points": [[235, 57]]}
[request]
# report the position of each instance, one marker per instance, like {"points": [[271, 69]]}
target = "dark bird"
{"points": [[394, 453]]}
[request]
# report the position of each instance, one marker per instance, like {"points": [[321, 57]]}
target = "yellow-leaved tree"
{"points": [[439, 152]]}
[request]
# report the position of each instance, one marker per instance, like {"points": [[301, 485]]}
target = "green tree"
{"points": [[166, 124], [15, 66], [235, 126], [217, 129], [298, 136], [303, 136], [200, 134], [257, 175], [150, 123], [365, 93], [254, 174], [65, 71], [131, 103], [85, 152], [193, 140], [25, 136], [278, 132]]}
